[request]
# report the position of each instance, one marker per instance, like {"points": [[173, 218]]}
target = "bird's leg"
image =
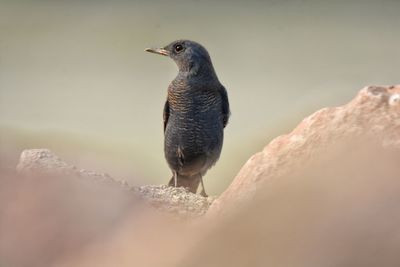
{"points": [[175, 179], [203, 191]]}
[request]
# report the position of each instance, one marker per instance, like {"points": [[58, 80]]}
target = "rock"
{"points": [[374, 112], [176, 200], [43, 161], [161, 197]]}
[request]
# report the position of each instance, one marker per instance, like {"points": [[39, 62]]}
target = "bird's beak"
{"points": [[160, 51]]}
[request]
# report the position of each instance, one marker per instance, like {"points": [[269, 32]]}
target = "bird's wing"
{"points": [[166, 114], [225, 106]]}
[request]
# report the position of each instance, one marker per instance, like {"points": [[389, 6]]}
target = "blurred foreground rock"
{"points": [[373, 113], [335, 203], [164, 198]]}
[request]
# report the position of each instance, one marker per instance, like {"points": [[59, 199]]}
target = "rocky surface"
{"points": [[167, 199], [176, 200], [374, 112], [315, 201]]}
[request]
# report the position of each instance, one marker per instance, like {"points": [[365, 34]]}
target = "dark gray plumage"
{"points": [[195, 114]]}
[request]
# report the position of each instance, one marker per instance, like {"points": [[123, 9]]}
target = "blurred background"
{"points": [[74, 77]]}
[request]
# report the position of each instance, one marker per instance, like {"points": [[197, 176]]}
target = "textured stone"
{"points": [[161, 197]]}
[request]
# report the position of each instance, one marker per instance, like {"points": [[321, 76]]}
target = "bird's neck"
{"points": [[197, 71]]}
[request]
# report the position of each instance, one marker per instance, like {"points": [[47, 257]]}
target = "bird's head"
{"points": [[188, 55]]}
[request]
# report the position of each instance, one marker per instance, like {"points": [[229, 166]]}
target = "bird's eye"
{"points": [[178, 48]]}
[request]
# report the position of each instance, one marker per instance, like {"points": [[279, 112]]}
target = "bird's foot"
{"points": [[203, 193]]}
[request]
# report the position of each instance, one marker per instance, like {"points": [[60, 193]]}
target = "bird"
{"points": [[195, 115]]}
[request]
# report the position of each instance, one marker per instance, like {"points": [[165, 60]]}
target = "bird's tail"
{"points": [[190, 182]]}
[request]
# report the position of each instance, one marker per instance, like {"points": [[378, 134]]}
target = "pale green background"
{"points": [[74, 77]]}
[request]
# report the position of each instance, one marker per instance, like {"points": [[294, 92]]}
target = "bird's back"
{"points": [[194, 133]]}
